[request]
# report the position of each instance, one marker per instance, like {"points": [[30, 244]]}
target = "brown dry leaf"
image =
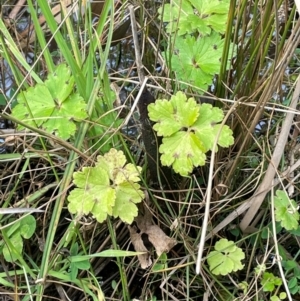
{"points": [[144, 259], [143, 227]]}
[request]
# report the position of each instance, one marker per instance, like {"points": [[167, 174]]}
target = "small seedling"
{"points": [[79, 265], [282, 296], [161, 263], [23, 228], [269, 281], [244, 285], [226, 258], [286, 211]]}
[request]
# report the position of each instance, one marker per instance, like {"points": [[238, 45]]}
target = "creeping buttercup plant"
{"points": [[189, 131]]}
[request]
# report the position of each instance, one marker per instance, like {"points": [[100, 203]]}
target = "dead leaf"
{"points": [[143, 231], [144, 259]]}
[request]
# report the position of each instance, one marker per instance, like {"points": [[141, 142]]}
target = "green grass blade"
{"points": [[39, 32], [63, 47]]}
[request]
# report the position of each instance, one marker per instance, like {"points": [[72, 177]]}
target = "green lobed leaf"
{"points": [[60, 84], [104, 201], [34, 106], [189, 130], [183, 151], [172, 13], [162, 112], [286, 211], [80, 202], [74, 108], [94, 193], [206, 128], [62, 119], [112, 162], [194, 15], [52, 105], [226, 258], [197, 60], [127, 195], [213, 12], [225, 137], [109, 188], [116, 168], [191, 23], [170, 116]]}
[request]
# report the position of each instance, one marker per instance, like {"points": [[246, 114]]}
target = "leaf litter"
{"points": [[144, 233]]}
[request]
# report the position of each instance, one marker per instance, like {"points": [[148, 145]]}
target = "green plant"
{"points": [[226, 258], [109, 188], [52, 105], [189, 16], [286, 211], [293, 270], [282, 296], [189, 130], [161, 263], [244, 285], [269, 281], [197, 60], [198, 45], [12, 245], [77, 265], [195, 45]]}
